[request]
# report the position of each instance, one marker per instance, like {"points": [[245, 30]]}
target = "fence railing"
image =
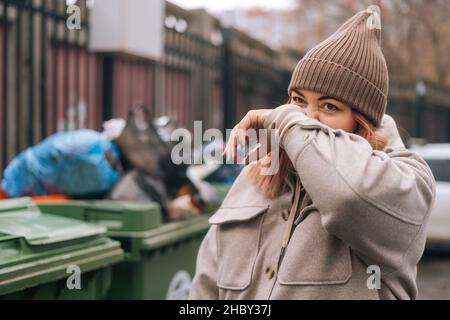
{"points": [[49, 81], [421, 109]]}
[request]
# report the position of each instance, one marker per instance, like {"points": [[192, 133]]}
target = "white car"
{"points": [[438, 158]]}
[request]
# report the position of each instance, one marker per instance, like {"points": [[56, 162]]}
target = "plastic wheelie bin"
{"points": [[49, 257], [159, 257]]}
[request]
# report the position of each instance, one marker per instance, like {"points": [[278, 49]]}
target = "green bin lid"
{"points": [[122, 216], [137, 224], [37, 248]]}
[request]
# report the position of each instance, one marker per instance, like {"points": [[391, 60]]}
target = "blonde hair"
{"points": [[275, 185]]}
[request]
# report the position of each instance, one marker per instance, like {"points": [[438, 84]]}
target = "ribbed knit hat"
{"points": [[349, 66]]}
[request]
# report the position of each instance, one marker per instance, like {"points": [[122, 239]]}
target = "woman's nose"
{"points": [[312, 112]]}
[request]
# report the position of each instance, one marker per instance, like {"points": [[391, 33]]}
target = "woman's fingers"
{"points": [[242, 146], [245, 136]]}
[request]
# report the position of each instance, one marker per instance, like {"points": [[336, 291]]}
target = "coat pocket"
{"points": [[238, 236], [315, 257]]}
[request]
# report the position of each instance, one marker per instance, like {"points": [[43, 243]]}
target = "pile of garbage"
{"points": [[130, 160]]}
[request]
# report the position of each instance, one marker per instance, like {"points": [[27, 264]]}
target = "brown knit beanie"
{"points": [[349, 66]]}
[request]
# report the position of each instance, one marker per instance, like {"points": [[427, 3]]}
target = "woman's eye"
{"points": [[330, 107], [298, 100]]}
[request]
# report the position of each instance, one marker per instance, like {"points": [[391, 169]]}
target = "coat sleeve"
{"points": [[375, 201], [204, 284]]}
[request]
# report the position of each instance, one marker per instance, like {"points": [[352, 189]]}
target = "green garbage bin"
{"points": [[49, 257], [159, 257]]}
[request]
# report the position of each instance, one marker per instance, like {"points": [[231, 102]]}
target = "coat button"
{"points": [[270, 273]]}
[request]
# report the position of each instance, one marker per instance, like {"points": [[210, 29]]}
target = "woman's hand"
{"points": [[239, 137]]}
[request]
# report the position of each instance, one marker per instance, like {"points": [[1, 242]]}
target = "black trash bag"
{"points": [[138, 186], [141, 146], [148, 159], [165, 126], [144, 150]]}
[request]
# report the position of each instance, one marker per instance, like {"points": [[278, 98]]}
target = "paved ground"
{"points": [[433, 278]]}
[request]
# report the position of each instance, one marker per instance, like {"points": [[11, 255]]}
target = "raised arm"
{"points": [[374, 201]]}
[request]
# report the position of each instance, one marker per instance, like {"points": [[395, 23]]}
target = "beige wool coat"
{"points": [[353, 210]]}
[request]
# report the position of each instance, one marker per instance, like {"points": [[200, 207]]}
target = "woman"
{"points": [[345, 215]]}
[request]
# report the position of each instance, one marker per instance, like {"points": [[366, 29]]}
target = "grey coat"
{"points": [[353, 210]]}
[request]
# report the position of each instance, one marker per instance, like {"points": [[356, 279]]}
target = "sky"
{"points": [[221, 5]]}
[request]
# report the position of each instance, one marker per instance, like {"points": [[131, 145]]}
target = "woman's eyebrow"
{"points": [[327, 98], [300, 93]]}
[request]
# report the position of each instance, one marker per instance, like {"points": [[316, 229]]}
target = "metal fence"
{"points": [[50, 81], [249, 82], [186, 85], [421, 110]]}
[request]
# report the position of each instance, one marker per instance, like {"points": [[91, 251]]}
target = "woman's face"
{"points": [[325, 109]]}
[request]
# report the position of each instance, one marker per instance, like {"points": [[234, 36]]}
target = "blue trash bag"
{"points": [[73, 163]]}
